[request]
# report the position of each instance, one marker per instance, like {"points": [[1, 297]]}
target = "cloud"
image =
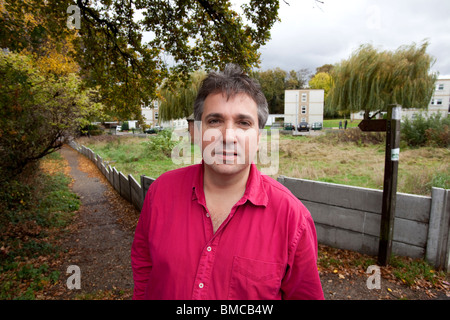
{"points": [[309, 36]]}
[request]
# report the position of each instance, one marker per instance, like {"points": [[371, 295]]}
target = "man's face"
{"points": [[229, 133]]}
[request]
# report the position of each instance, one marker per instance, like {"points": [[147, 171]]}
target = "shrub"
{"points": [[423, 131], [125, 126], [161, 144]]}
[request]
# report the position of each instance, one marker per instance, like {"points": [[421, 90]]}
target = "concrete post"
{"points": [[437, 251]]}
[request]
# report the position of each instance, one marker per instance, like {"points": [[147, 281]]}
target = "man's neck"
{"points": [[221, 183]]}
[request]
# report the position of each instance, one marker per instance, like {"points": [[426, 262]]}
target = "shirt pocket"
{"points": [[255, 279]]}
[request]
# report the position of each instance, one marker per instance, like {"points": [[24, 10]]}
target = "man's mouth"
{"points": [[229, 153], [226, 156]]}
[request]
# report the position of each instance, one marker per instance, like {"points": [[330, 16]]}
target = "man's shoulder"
{"points": [[275, 188], [176, 176]]}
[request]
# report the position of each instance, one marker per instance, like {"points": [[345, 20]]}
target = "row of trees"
{"points": [[177, 102], [369, 80], [275, 81]]}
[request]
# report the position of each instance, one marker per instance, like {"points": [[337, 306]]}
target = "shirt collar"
{"points": [[254, 191]]}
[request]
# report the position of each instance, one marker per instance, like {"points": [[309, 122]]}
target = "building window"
{"points": [[438, 101], [303, 109], [440, 86], [156, 115], [304, 97], [303, 119]]}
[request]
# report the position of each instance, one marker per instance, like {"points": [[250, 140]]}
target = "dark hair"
{"points": [[230, 82]]}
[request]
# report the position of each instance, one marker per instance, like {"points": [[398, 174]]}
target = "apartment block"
{"points": [[305, 105]]}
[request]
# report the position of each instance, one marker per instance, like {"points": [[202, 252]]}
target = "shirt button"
{"points": [[200, 285], [208, 249], [207, 215]]}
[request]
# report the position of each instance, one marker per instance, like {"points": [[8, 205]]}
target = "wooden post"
{"points": [[390, 184]]}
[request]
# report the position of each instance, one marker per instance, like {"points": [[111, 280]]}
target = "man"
{"points": [[220, 229]]}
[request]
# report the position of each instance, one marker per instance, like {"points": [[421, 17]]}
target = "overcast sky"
{"points": [[311, 34]]}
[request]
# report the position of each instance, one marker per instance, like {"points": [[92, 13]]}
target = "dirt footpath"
{"points": [[102, 235]]}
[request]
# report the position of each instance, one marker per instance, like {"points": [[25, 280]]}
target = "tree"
{"points": [[371, 80], [322, 80], [325, 68], [272, 83], [178, 102], [39, 110], [292, 82], [303, 76], [110, 49]]}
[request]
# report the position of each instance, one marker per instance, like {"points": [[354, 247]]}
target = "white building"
{"points": [[440, 103], [272, 118], [305, 105], [151, 117], [150, 114]]}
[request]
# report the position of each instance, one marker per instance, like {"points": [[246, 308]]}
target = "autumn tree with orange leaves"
{"points": [[127, 49]]}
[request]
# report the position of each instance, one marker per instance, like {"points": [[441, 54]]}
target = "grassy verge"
{"points": [[36, 209], [131, 155]]}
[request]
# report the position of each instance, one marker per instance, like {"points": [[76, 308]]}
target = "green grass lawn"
{"points": [[334, 123]]}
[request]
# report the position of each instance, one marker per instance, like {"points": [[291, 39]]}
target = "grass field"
{"points": [[334, 123], [322, 158]]}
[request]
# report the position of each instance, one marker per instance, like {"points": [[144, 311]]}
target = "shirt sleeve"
{"points": [[302, 281], [140, 255]]}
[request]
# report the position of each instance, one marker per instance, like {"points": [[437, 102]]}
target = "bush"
{"points": [[161, 144], [125, 126], [92, 130], [432, 131]]}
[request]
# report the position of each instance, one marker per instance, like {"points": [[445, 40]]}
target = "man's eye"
{"points": [[244, 123], [213, 121]]}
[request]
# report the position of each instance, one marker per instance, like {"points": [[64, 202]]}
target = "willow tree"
{"points": [[177, 101], [370, 80]]}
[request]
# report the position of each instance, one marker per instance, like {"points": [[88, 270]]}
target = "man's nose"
{"points": [[229, 136]]}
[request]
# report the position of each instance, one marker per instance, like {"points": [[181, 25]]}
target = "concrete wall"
{"points": [[127, 186], [349, 218]]}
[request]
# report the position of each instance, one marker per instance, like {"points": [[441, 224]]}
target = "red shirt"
{"points": [[265, 249]]}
